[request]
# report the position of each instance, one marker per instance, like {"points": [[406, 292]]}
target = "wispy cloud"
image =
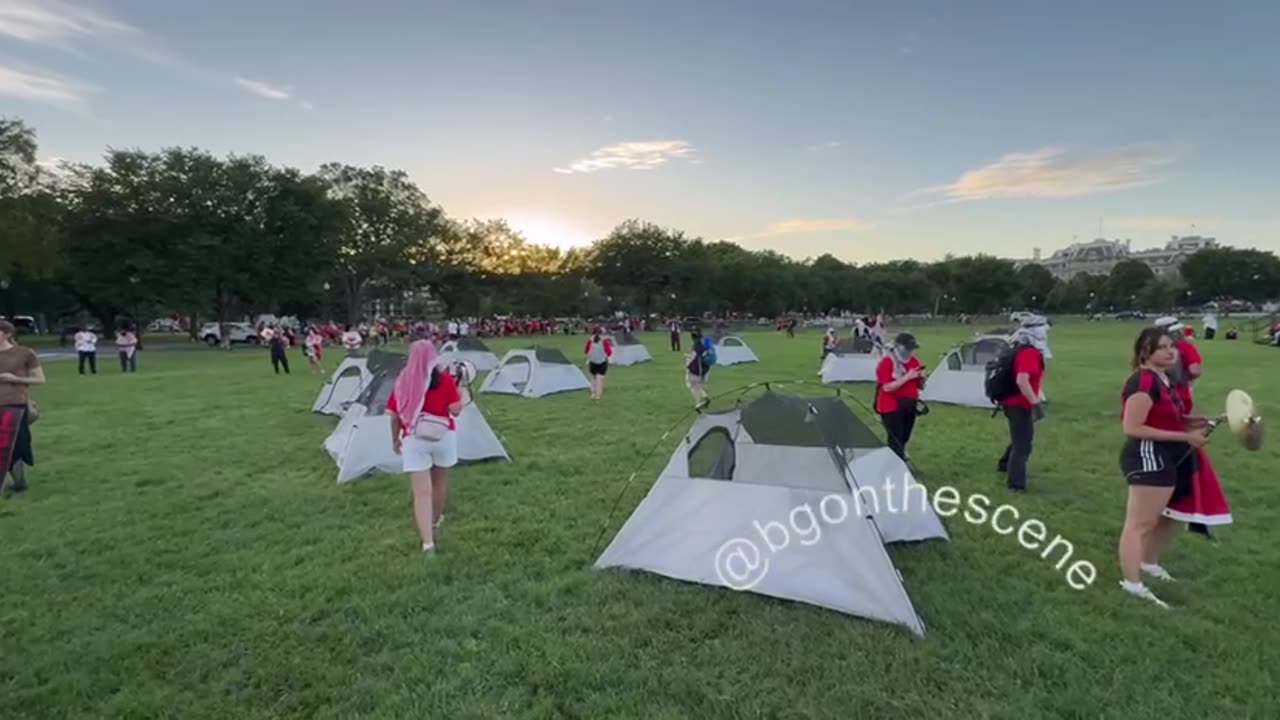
{"points": [[1052, 172], [829, 145], [1162, 223], [264, 90], [53, 22], [642, 155], [36, 85], [795, 226]]}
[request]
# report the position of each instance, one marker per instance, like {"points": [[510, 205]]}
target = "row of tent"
{"points": [[734, 474], [958, 380], [358, 390]]}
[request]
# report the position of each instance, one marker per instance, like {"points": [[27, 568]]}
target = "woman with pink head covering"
{"points": [[423, 432]]}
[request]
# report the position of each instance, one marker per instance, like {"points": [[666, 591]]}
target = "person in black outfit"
{"points": [[279, 352]]}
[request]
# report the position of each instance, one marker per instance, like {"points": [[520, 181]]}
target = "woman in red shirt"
{"points": [[423, 431], [598, 351], [899, 377], [1157, 460]]}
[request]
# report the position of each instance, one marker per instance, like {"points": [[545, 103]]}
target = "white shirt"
{"points": [[86, 341], [1211, 321], [464, 329], [351, 339], [453, 328], [267, 334]]}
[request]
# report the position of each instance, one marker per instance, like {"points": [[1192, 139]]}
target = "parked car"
{"points": [[1131, 315], [24, 324], [239, 332]]}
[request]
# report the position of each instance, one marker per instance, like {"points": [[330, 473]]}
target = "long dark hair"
{"points": [[434, 380], [1147, 344]]}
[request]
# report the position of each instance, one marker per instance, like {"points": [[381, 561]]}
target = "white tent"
{"points": [[470, 349], [361, 444], [628, 350], [534, 372], [783, 459], [731, 350], [348, 379], [854, 360], [961, 376]]}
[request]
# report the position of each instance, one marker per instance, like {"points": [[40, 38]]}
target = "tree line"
{"points": [[144, 234]]}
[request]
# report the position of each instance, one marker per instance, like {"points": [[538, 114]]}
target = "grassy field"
{"points": [[184, 552]]}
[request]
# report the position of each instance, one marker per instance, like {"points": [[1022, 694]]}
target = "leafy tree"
{"points": [[1035, 284], [1125, 281], [389, 229], [1221, 273]]}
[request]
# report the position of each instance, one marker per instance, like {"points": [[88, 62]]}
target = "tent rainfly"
{"points": [[471, 349], [361, 444], [731, 350], [348, 379], [534, 372], [960, 378], [737, 471], [854, 360], [628, 350]]}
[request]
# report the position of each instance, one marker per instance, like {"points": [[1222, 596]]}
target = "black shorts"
{"points": [[1159, 464], [21, 451], [598, 368]]}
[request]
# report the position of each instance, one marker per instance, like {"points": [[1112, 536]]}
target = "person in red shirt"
{"points": [[899, 378], [423, 405], [1187, 369], [598, 351], [1158, 459], [1022, 409]]}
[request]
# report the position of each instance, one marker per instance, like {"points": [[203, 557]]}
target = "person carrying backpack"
{"points": [[598, 351], [1013, 383], [899, 377], [697, 366]]}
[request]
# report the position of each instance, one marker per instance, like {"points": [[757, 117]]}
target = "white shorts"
{"points": [[419, 454]]}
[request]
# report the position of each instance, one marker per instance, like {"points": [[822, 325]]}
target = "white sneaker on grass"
{"points": [[439, 521], [1157, 572], [1142, 591], [428, 551]]}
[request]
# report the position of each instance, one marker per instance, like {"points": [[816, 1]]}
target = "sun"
{"points": [[548, 230]]}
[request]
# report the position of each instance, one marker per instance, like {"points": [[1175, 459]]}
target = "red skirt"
{"points": [[1205, 504]]}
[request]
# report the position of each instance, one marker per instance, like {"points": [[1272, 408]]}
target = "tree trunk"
{"points": [[193, 330], [352, 285]]}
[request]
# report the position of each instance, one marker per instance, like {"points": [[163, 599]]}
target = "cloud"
{"points": [[1053, 173], [796, 226], [642, 155], [53, 22], [1162, 223], [262, 89], [830, 145], [42, 86]]}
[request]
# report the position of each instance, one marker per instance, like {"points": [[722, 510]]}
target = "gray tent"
{"points": [[760, 463], [628, 350], [361, 444], [534, 372], [473, 350]]}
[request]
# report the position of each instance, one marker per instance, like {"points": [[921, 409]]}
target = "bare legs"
{"points": [[429, 490], [597, 387], [1145, 531], [439, 488]]}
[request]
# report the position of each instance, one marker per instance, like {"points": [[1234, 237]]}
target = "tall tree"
{"points": [[1125, 281], [390, 225]]}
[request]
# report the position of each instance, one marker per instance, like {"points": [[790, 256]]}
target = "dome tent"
{"points": [[732, 350], [960, 378], [470, 349], [534, 372], [756, 463], [628, 350], [854, 360]]}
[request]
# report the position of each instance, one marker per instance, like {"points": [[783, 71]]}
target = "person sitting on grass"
{"points": [[423, 406]]}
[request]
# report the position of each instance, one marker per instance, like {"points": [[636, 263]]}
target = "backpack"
{"points": [[709, 355], [1000, 381]]}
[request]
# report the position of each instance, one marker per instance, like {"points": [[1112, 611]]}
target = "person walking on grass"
{"points": [[673, 326], [698, 366], [313, 347], [1158, 459], [423, 406], [279, 346], [87, 349], [899, 378], [127, 347], [1021, 408], [830, 343], [19, 369], [598, 351]]}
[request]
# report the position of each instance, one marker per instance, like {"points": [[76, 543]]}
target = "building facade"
{"points": [[1098, 257]]}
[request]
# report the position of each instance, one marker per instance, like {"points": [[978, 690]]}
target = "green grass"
{"points": [[184, 552]]}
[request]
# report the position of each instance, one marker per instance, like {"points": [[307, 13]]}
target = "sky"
{"points": [[869, 130]]}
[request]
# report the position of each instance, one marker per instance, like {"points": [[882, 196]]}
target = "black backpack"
{"points": [[1000, 381]]}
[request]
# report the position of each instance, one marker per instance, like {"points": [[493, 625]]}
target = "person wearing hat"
{"points": [[899, 378], [1022, 408], [1189, 365]]}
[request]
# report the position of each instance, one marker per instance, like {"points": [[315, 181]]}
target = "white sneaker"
{"points": [[439, 521], [1157, 572], [428, 550], [1142, 591]]}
